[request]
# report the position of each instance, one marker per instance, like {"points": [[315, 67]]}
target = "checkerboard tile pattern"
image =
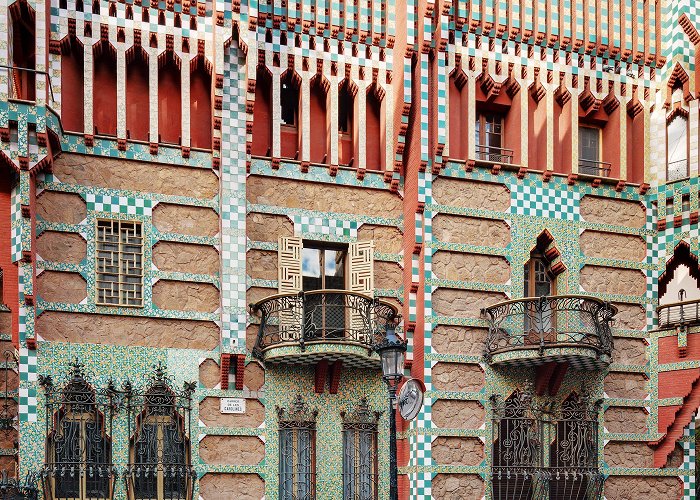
{"points": [[541, 201], [329, 227], [688, 444], [119, 204]]}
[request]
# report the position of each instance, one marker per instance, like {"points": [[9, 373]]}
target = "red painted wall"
{"points": [[10, 290], [262, 114], [169, 102], [635, 153], [104, 110], [24, 54], [373, 131], [319, 123], [200, 108], [537, 135], [458, 120], [346, 142], [562, 138], [73, 96], [137, 99]]}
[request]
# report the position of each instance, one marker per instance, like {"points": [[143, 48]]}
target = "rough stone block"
{"points": [[613, 246], [459, 340], [457, 486], [185, 296], [620, 419], [628, 454], [470, 194], [470, 230], [626, 385], [209, 413], [613, 280], [613, 212], [183, 219], [54, 206], [186, 258], [386, 239], [648, 488], [629, 351], [457, 377], [54, 246], [471, 267], [261, 264], [268, 227], [217, 486], [457, 451], [54, 286], [454, 414], [231, 450], [463, 303]]}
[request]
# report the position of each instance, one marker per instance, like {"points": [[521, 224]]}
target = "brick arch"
{"points": [[374, 123], [104, 111], [678, 79], [682, 255], [72, 77], [137, 94], [262, 112]]}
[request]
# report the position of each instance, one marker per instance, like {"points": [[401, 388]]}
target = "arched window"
{"points": [[262, 113], [360, 476], [104, 110], [539, 281], [346, 122], [679, 289], [169, 98], [159, 452], [23, 51], [319, 120], [72, 71], [200, 104], [289, 103], [137, 94], [677, 148], [79, 448], [297, 451]]}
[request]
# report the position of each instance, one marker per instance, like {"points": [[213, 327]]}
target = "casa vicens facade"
{"points": [[210, 211]]}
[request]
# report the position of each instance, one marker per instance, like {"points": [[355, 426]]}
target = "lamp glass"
{"points": [[392, 362]]}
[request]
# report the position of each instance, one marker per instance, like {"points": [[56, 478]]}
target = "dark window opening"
{"points": [[297, 452], [346, 104], [360, 463], [289, 102]]}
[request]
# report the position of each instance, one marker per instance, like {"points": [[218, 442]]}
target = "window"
{"points": [[488, 136], [538, 280], [297, 452], [289, 101], [345, 109], [677, 148], [360, 477], [540, 317], [159, 455], [119, 278], [589, 151], [323, 267], [521, 430], [79, 450]]}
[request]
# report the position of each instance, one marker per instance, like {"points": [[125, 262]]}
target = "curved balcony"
{"points": [[685, 313], [333, 325], [534, 331]]}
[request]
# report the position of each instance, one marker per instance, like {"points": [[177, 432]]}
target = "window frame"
{"points": [[119, 261], [297, 418], [480, 127], [322, 246], [530, 273], [362, 420], [599, 150], [673, 117]]}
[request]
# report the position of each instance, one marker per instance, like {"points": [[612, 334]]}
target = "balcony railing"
{"points": [[321, 316], [594, 168], [493, 154], [685, 313], [548, 324]]}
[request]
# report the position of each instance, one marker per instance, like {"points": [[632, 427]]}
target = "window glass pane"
{"points": [[588, 143], [677, 153], [334, 269], [311, 269]]}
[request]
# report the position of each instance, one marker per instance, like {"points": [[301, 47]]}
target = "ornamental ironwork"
{"points": [[12, 489], [553, 321], [321, 316], [297, 451], [360, 463], [79, 421], [8, 407], [545, 452], [159, 422]]}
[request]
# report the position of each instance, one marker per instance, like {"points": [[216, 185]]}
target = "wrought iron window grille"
{"points": [[547, 451], [8, 407], [159, 423], [360, 462], [79, 422], [297, 451]]}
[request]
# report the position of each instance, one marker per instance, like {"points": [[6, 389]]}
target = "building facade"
{"points": [[209, 211]]}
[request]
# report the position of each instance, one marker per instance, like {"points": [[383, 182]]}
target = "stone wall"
{"points": [[457, 451], [628, 351], [69, 248], [181, 219], [268, 227], [185, 296], [54, 206], [463, 303], [470, 267], [231, 450], [470, 230], [127, 330], [186, 257], [479, 195], [626, 385], [461, 377], [454, 486], [454, 414], [613, 212], [647, 488], [625, 420], [211, 416], [209, 373], [614, 281], [459, 340], [613, 246], [55, 286], [217, 486], [262, 264], [630, 317], [386, 239], [628, 454]]}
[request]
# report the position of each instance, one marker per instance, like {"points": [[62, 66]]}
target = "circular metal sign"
{"points": [[410, 399]]}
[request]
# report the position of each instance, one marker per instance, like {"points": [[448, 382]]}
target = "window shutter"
{"points": [[361, 267], [289, 281], [289, 264]]}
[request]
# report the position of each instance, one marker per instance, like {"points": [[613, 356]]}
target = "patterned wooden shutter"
{"points": [[289, 281], [361, 274]]}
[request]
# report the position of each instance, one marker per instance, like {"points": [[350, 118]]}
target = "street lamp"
{"points": [[392, 351]]}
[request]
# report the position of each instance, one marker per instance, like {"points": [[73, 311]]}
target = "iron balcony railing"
{"points": [[685, 313], [321, 316], [554, 321], [594, 167], [493, 154]]}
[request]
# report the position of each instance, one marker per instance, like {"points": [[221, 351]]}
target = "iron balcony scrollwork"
{"points": [[545, 451], [552, 321], [13, 489], [321, 316]]}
